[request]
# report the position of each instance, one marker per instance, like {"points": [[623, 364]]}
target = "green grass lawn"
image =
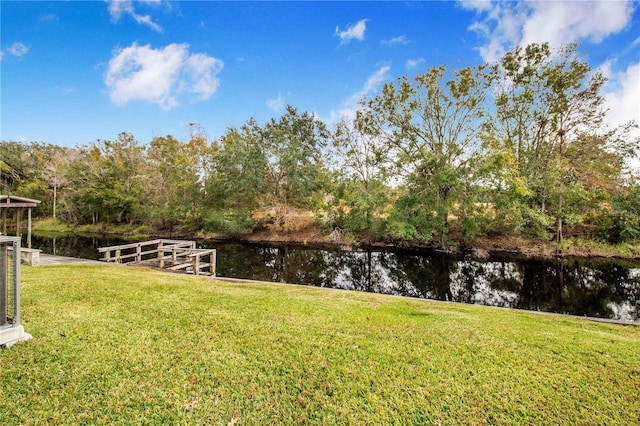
{"points": [[120, 345]]}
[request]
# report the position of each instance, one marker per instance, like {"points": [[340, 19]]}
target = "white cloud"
{"points": [[49, 17], [350, 105], [200, 75], [622, 93], [504, 25], [413, 63], [355, 31], [276, 104], [478, 5], [501, 27], [560, 22], [395, 41], [119, 7], [623, 98], [18, 49], [160, 76], [374, 81]]}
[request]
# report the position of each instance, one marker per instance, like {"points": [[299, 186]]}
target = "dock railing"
{"points": [[173, 255]]}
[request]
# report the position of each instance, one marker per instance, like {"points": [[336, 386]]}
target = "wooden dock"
{"points": [[172, 255]]}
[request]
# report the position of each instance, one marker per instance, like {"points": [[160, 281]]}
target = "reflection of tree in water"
{"points": [[574, 287], [362, 271], [277, 264], [421, 276], [75, 246], [596, 290], [583, 292], [578, 287], [284, 264], [444, 278], [489, 283]]}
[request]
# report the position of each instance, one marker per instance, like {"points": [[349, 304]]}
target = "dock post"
{"points": [[160, 255], [212, 263], [18, 224], [29, 227], [196, 264]]}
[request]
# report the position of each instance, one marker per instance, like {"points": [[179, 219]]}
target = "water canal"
{"points": [[583, 287]]}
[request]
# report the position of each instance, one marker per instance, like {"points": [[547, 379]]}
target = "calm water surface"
{"points": [[595, 288]]}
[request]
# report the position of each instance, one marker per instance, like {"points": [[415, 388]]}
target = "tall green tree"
{"points": [[177, 190], [432, 125], [546, 102], [363, 163], [110, 182], [293, 145], [237, 170]]}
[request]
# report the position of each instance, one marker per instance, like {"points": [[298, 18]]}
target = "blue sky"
{"points": [[76, 71]]}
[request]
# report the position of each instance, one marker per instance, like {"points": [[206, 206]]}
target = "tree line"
{"points": [[519, 147]]}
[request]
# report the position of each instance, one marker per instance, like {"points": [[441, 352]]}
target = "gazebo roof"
{"points": [[12, 201]]}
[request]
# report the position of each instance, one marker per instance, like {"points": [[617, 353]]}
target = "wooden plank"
{"points": [[174, 248], [127, 246], [201, 251], [180, 266], [163, 241], [127, 256], [13, 199], [185, 246], [117, 259], [164, 257], [12, 205]]}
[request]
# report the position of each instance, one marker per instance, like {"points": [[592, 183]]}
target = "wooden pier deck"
{"points": [[172, 255], [50, 259]]}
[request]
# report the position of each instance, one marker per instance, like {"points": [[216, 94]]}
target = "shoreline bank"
{"points": [[483, 248]]}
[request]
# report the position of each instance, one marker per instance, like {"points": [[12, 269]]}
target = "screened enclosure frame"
{"points": [[9, 281], [11, 331]]}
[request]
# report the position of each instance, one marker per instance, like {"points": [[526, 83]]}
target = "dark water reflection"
{"points": [[604, 289]]}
